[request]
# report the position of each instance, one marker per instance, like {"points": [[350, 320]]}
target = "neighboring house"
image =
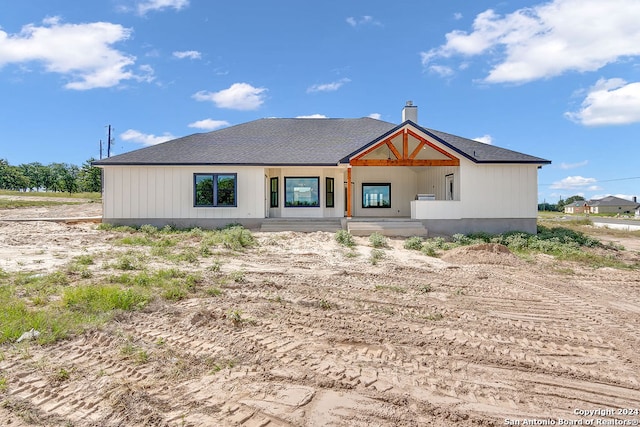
{"points": [[324, 168], [577, 207], [613, 205]]}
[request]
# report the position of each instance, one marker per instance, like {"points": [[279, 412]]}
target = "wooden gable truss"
{"points": [[404, 148]]}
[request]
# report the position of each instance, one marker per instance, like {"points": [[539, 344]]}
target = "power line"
{"points": [[597, 181]]}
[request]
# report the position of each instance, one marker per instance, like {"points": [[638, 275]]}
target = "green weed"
{"points": [[413, 243], [376, 256], [345, 238], [377, 240]]}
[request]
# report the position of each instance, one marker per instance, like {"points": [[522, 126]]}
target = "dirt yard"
{"points": [[324, 337]]}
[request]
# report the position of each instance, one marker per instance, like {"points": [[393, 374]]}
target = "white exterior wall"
{"points": [[132, 192], [487, 191], [338, 174], [431, 180], [404, 187]]}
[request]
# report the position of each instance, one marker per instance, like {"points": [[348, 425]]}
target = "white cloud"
{"points": [[365, 20], [209, 124], [328, 87], [151, 5], [609, 102], [548, 39], [376, 116], [190, 54], [441, 70], [80, 52], [457, 16], [485, 139], [576, 182], [566, 166], [133, 135], [239, 96], [312, 116]]}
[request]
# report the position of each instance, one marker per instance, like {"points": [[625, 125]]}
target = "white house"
{"points": [[324, 168]]}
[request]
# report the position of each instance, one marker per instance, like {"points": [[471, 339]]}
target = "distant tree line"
{"points": [[56, 177], [560, 205]]}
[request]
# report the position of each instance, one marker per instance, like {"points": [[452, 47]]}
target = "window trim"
{"points": [[376, 184], [331, 187], [274, 195], [316, 178], [214, 177]]}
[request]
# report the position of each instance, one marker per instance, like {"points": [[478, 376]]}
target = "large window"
{"points": [[329, 192], [301, 192], [215, 189], [274, 192], [376, 195]]}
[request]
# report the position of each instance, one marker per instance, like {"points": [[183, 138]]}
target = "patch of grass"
{"points": [[141, 357], [227, 363], [135, 240], [434, 317], [53, 323], [4, 384], [324, 304], [377, 240], [391, 288], [214, 291], [235, 316], [215, 266], [60, 376], [84, 260], [425, 289], [95, 196], [15, 204], [345, 238], [97, 299], [149, 229], [133, 352], [174, 291], [238, 276], [352, 254], [376, 256], [129, 261]]}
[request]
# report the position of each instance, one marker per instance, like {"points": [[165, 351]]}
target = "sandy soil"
{"points": [[476, 337]]}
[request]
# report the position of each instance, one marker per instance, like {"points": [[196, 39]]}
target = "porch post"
{"points": [[349, 191]]}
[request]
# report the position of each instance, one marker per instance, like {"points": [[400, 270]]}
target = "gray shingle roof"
{"points": [[296, 142], [611, 201]]}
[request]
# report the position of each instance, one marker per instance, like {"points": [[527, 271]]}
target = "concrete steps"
{"points": [[303, 225], [387, 227]]}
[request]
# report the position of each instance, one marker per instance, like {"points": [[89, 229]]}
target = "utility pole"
{"points": [[109, 141], [100, 149]]}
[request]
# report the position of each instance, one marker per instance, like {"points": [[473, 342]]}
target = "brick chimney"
{"points": [[410, 112]]}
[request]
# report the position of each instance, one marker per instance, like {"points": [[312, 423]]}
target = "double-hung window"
{"points": [[215, 189]]}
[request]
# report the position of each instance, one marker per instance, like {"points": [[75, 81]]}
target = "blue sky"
{"points": [[557, 79]]}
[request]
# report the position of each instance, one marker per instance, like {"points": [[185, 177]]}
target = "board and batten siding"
{"points": [[499, 191], [321, 211], [404, 187], [486, 191], [132, 192]]}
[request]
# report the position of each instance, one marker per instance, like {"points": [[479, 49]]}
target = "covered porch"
{"points": [[403, 176]]}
